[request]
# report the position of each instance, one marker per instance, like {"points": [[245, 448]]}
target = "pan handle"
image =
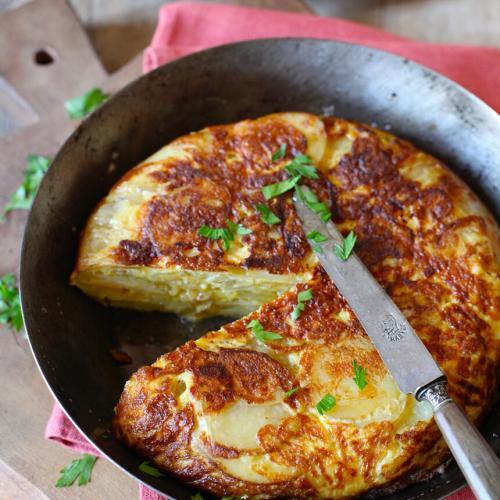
{"points": [[476, 459]]}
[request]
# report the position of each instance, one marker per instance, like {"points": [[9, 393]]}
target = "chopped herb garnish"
{"points": [[305, 295], [197, 496], [344, 251], [302, 297], [279, 154], [226, 234], [267, 215], [315, 237], [216, 233], [302, 165], [81, 106], [326, 404], [278, 188], [150, 469], [359, 375], [21, 199], [237, 228], [10, 305], [80, 468], [313, 203], [260, 333], [291, 391]]}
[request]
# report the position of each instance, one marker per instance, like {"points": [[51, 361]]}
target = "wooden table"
{"points": [[119, 30]]}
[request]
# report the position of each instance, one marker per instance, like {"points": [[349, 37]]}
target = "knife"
{"points": [[405, 356]]}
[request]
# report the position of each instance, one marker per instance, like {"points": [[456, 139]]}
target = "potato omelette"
{"points": [[292, 399]]}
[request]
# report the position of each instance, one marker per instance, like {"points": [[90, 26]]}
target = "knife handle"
{"points": [[476, 459]]}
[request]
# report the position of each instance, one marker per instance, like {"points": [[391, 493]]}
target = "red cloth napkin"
{"points": [[188, 27], [184, 28], [61, 430]]}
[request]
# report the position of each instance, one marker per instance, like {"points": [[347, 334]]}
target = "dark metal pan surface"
{"points": [[71, 334]]}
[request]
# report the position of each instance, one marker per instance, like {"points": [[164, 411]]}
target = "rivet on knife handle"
{"points": [[476, 459]]}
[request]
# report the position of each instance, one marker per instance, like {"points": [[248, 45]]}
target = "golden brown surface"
{"points": [[209, 189], [146, 230], [213, 412]]}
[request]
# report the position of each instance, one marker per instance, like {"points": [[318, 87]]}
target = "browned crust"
{"points": [[215, 188], [409, 236]]}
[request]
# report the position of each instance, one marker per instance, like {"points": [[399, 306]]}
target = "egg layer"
{"points": [[218, 412]]}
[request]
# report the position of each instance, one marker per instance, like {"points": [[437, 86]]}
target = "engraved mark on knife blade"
{"points": [[391, 329]]}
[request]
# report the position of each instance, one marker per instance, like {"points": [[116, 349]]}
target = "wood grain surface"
{"points": [[36, 122], [32, 120]]}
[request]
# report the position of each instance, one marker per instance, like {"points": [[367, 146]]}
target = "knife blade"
{"points": [[404, 354]]}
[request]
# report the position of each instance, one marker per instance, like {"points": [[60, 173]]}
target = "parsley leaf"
{"points": [[237, 228], [359, 375], [313, 203], [305, 295], [291, 391], [343, 252], [297, 311], [226, 234], [80, 468], [326, 404], [279, 154], [273, 190], [267, 215], [198, 496], [81, 106], [10, 305], [216, 233], [302, 297], [315, 237], [150, 469], [260, 333], [21, 199], [302, 165]]}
